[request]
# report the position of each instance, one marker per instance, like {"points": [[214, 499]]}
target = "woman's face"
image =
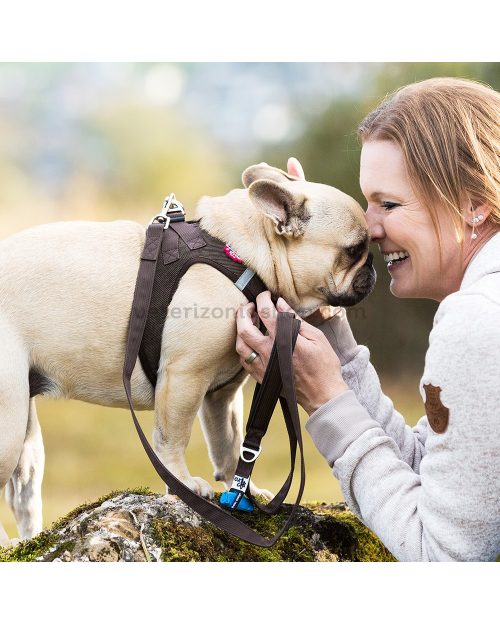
{"points": [[399, 223]]}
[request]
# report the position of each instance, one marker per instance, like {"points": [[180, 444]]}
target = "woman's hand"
{"points": [[317, 371]]}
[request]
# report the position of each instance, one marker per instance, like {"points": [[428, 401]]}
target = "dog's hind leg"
{"points": [[14, 403], [24, 489], [221, 418]]}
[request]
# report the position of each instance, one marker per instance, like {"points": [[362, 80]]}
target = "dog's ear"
{"points": [[286, 209], [263, 171]]}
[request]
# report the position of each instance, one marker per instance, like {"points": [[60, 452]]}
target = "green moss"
{"points": [[67, 545], [85, 507], [207, 543], [342, 534], [345, 535], [29, 550]]}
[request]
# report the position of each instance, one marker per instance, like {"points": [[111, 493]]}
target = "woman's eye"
{"points": [[389, 205]]}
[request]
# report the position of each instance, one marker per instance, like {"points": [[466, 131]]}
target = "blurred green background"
{"points": [[110, 140]]}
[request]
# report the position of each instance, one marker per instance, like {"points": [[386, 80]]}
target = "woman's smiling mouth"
{"points": [[394, 258]]}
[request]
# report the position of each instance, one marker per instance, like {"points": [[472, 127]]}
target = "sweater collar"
{"points": [[485, 261]]}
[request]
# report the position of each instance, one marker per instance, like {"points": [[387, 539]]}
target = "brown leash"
{"points": [[278, 379]]}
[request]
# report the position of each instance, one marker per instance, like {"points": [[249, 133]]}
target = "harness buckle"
{"points": [[171, 208], [254, 453]]}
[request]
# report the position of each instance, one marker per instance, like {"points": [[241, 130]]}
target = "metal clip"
{"points": [[246, 450], [170, 205]]}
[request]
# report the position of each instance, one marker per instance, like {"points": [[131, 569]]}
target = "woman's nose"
{"points": [[375, 225]]}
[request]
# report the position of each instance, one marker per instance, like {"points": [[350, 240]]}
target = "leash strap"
{"points": [[264, 402], [286, 333]]}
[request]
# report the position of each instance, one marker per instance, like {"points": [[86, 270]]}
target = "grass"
{"points": [[91, 450]]}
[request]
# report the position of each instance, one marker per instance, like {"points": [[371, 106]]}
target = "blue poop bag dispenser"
{"points": [[235, 497]]}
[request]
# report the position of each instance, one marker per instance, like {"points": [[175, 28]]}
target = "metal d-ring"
{"points": [[170, 205], [255, 453]]}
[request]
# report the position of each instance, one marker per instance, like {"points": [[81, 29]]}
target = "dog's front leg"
{"points": [[221, 419], [178, 397]]}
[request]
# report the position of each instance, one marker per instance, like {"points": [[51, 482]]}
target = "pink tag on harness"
{"points": [[232, 254]]}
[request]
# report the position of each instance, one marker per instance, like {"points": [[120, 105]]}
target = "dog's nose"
{"points": [[369, 260], [364, 281]]}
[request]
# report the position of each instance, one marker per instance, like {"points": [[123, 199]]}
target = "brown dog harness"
{"points": [[184, 243], [172, 245]]}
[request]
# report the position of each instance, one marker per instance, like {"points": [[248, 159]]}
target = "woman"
{"points": [[430, 172]]}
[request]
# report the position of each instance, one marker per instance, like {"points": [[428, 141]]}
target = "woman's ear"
{"points": [[477, 208]]}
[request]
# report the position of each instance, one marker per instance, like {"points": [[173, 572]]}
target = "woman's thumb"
{"points": [[307, 330], [282, 306]]}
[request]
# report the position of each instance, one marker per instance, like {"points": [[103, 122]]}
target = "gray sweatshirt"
{"points": [[431, 492]]}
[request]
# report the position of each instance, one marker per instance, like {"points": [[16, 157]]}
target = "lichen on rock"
{"points": [[139, 526]]}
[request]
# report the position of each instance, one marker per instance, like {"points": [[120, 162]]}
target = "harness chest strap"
{"points": [[287, 330]]}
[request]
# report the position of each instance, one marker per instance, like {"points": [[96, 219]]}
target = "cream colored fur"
{"points": [[65, 296]]}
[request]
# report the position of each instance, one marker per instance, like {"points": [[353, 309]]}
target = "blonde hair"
{"points": [[449, 132]]}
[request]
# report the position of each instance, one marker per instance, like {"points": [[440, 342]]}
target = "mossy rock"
{"points": [[138, 525]]}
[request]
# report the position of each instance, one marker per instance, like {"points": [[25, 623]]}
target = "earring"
{"points": [[475, 220]]}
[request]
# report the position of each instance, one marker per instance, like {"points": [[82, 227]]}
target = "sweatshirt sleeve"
{"points": [[450, 510], [361, 377]]}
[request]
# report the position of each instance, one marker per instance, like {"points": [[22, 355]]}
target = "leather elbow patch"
{"points": [[437, 413]]}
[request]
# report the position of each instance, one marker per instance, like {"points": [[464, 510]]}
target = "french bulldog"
{"points": [[66, 291]]}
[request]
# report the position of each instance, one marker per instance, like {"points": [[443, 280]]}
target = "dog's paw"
{"points": [[255, 492], [200, 486], [168, 498], [8, 543]]}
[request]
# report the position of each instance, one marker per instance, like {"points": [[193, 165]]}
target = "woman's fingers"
{"points": [[249, 338], [306, 329], [248, 333], [282, 306], [267, 312]]}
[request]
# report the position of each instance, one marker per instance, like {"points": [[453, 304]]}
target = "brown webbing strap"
{"points": [[263, 404], [286, 333], [142, 296]]}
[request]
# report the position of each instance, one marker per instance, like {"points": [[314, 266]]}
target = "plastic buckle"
{"points": [[254, 453]]}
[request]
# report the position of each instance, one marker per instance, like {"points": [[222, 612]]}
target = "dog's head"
{"points": [[324, 237]]}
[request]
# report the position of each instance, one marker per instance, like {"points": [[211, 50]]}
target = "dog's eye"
{"points": [[356, 251]]}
